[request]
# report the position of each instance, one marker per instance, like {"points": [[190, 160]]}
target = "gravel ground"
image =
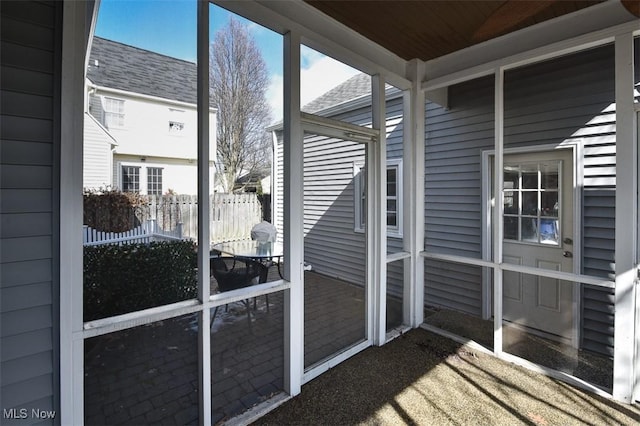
{"points": [[424, 379]]}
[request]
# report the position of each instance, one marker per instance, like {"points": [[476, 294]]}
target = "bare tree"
{"points": [[239, 80]]}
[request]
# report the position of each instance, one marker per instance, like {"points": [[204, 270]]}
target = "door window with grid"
{"points": [[532, 202]]}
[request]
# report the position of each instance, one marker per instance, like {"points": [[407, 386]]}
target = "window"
{"points": [[130, 179], [393, 202], [175, 127], [360, 196], [154, 181], [532, 202], [113, 112], [176, 121], [394, 197]]}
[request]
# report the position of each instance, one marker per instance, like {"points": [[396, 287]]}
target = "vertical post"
{"points": [[413, 186], [293, 215], [71, 74], [204, 334], [626, 221], [497, 209], [376, 226]]}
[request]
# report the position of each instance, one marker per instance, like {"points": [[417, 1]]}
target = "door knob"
{"points": [[567, 254]]}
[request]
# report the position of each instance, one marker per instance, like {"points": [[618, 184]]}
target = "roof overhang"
{"points": [[364, 35]]}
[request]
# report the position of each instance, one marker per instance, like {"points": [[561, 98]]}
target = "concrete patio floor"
{"points": [[422, 378]]}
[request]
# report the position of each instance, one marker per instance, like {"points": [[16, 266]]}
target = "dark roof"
{"points": [[141, 71], [355, 87]]}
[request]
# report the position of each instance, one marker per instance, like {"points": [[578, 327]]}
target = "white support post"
{"points": [[204, 333], [293, 216], [626, 221], [72, 100], [413, 187], [377, 227], [498, 208]]}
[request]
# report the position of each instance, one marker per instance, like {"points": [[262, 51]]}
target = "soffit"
{"points": [[430, 29]]}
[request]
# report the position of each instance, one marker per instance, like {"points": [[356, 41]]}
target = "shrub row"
{"points": [[111, 210], [124, 278]]}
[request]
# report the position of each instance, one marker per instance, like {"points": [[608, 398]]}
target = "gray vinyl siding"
{"points": [[332, 246], [330, 242], [455, 139], [28, 285], [566, 100], [574, 102]]}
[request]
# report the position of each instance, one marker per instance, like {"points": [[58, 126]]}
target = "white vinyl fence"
{"points": [[144, 233], [232, 215], [176, 217]]}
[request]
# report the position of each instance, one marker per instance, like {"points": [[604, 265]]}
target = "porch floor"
{"points": [[149, 374], [421, 378]]}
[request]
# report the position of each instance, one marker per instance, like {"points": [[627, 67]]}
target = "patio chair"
{"points": [[236, 276]]}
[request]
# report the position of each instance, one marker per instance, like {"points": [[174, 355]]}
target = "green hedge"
{"points": [[124, 278]]}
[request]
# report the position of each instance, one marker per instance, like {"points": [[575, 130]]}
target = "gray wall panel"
{"points": [[28, 327], [566, 100]]}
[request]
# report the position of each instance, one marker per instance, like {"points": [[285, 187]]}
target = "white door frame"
{"points": [[371, 140], [487, 234]]}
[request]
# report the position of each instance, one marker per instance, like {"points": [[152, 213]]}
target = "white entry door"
{"points": [[538, 232]]}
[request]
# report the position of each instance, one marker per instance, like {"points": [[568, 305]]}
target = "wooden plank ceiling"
{"points": [[427, 29]]}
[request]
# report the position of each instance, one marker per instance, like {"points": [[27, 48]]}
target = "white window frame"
{"points": [[144, 174], [359, 217], [153, 167], [121, 176], [109, 114], [396, 231], [359, 197], [176, 121]]}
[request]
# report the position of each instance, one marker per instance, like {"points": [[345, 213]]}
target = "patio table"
{"points": [[267, 253]]}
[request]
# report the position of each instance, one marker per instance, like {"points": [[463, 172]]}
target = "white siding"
{"points": [[97, 155]]}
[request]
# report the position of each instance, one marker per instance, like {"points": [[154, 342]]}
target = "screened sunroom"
{"points": [[477, 176]]}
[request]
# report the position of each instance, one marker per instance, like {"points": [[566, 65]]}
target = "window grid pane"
{"points": [[114, 112], [130, 179], [531, 203], [154, 181]]}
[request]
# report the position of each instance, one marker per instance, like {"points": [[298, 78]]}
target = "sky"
{"points": [[169, 27]]}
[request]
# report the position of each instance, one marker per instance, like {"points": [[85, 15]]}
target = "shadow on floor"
{"points": [[423, 378], [592, 367]]}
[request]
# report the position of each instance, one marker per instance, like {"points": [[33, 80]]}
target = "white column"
{"points": [[498, 208], [376, 217], [72, 96], [293, 217], [626, 221], [413, 187], [204, 333]]}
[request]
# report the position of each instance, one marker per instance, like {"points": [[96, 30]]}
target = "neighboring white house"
{"points": [[140, 133]]}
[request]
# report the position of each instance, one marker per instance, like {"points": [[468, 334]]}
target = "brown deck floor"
{"points": [[149, 374]]}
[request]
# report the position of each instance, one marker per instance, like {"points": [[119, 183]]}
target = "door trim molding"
{"points": [[487, 235]]}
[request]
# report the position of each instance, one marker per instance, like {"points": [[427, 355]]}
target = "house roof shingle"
{"points": [[136, 70], [355, 87]]}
